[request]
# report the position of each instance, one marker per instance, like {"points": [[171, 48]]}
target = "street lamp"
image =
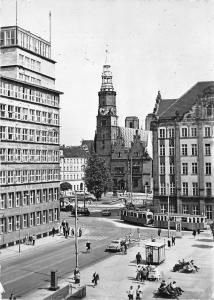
{"points": [[168, 211], [76, 235]]}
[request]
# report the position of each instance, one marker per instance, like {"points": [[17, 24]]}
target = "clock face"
{"points": [[103, 111]]}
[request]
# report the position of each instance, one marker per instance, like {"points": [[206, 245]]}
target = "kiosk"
{"points": [[155, 252]]}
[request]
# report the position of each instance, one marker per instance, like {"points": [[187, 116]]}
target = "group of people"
{"points": [[185, 266], [67, 231], [30, 239], [170, 289], [138, 293], [194, 232]]}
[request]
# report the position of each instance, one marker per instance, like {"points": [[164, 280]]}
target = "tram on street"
{"points": [[188, 221], [137, 216]]}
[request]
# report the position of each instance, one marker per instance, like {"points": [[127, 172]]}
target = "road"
{"points": [[31, 270]]}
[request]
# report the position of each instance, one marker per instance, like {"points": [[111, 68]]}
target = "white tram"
{"points": [[137, 216]]}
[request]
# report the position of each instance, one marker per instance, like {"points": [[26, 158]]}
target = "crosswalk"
{"points": [[94, 237]]}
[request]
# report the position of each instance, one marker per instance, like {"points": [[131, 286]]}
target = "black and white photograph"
{"points": [[106, 149]]}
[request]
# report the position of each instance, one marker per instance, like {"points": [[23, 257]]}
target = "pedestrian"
{"points": [[53, 231], [12, 297], [95, 278], [194, 233], [169, 243], [72, 232], [198, 230], [138, 258], [125, 248], [80, 232], [88, 246], [34, 239], [173, 241], [139, 293], [159, 232], [131, 293]]}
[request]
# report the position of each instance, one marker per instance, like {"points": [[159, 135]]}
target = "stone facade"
{"points": [[183, 141], [29, 135]]}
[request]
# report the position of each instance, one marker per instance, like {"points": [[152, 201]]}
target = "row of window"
{"points": [[184, 150], [186, 189], [72, 176], [29, 63], [28, 155], [28, 176], [73, 168], [184, 132], [74, 160], [24, 39], [185, 169], [29, 135], [186, 210], [25, 114], [26, 197], [18, 222], [28, 94], [30, 79]]}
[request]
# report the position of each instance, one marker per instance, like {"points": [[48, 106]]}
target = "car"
{"points": [[106, 212], [81, 211], [115, 245]]}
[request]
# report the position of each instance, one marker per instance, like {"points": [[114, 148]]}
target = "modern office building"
{"points": [[126, 150], [183, 151], [29, 137], [73, 161]]}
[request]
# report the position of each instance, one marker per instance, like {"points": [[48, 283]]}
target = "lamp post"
{"points": [[168, 210], [131, 179], [76, 235]]}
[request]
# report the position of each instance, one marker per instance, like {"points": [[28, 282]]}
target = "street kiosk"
{"points": [[155, 252]]}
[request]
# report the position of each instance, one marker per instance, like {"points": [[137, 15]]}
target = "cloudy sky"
{"points": [[154, 45]]}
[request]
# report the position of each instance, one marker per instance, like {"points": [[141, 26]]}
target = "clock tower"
{"points": [[107, 129]]}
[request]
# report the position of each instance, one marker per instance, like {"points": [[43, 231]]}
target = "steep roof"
{"points": [[168, 108], [74, 151]]}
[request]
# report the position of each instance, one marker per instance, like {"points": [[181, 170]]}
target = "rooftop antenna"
{"points": [[50, 30], [107, 52], [16, 22]]}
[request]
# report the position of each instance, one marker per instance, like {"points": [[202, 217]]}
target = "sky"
{"points": [[153, 45]]}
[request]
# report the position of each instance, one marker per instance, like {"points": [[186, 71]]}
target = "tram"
{"points": [[188, 222], [137, 216]]}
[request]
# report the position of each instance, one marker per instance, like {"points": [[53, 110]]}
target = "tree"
{"points": [[97, 176], [64, 186]]}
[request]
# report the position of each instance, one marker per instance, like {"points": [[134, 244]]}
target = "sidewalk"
{"points": [[118, 272]]}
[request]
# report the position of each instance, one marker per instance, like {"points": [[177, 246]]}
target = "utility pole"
{"points": [[131, 179], [76, 235], [168, 211], [20, 229]]}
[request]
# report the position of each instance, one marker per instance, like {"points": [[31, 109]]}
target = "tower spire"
{"points": [[107, 84], [107, 52]]}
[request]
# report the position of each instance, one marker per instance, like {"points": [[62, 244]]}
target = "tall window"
{"points": [[162, 168], [38, 218], [209, 212], [18, 222], [207, 131], [18, 199], [32, 219], [162, 150], [163, 208], [171, 132], [195, 210], [194, 149], [208, 189], [2, 177], [185, 188], [2, 132], [44, 216], [56, 214], [10, 200], [3, 201], [32, 197], [172, 168], [185, 209], [162, 188], [10, 224], [194, 168], [172, 188], [25, 221], [50, 215], [185, 168], [208, 169], [25, 198], [2, 154], [195, 188], [162, 133], [184, 132], [207, 149], [194, 131], [184, 149]]}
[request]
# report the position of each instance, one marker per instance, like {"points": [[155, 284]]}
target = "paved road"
{"points": [[29, 270]]}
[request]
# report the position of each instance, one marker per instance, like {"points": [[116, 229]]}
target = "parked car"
{"points": [[106, 212], [81, 211], [115, 245]]}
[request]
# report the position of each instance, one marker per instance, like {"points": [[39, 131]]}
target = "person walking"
{"points": [[173, 241], [95, 278], [131, 293], [138, 258], [34, 239], [88, 246], [125, 248], [53, 231], [80, 232], [139, 293], [159, 232], [194, 233], [198, 230]]}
